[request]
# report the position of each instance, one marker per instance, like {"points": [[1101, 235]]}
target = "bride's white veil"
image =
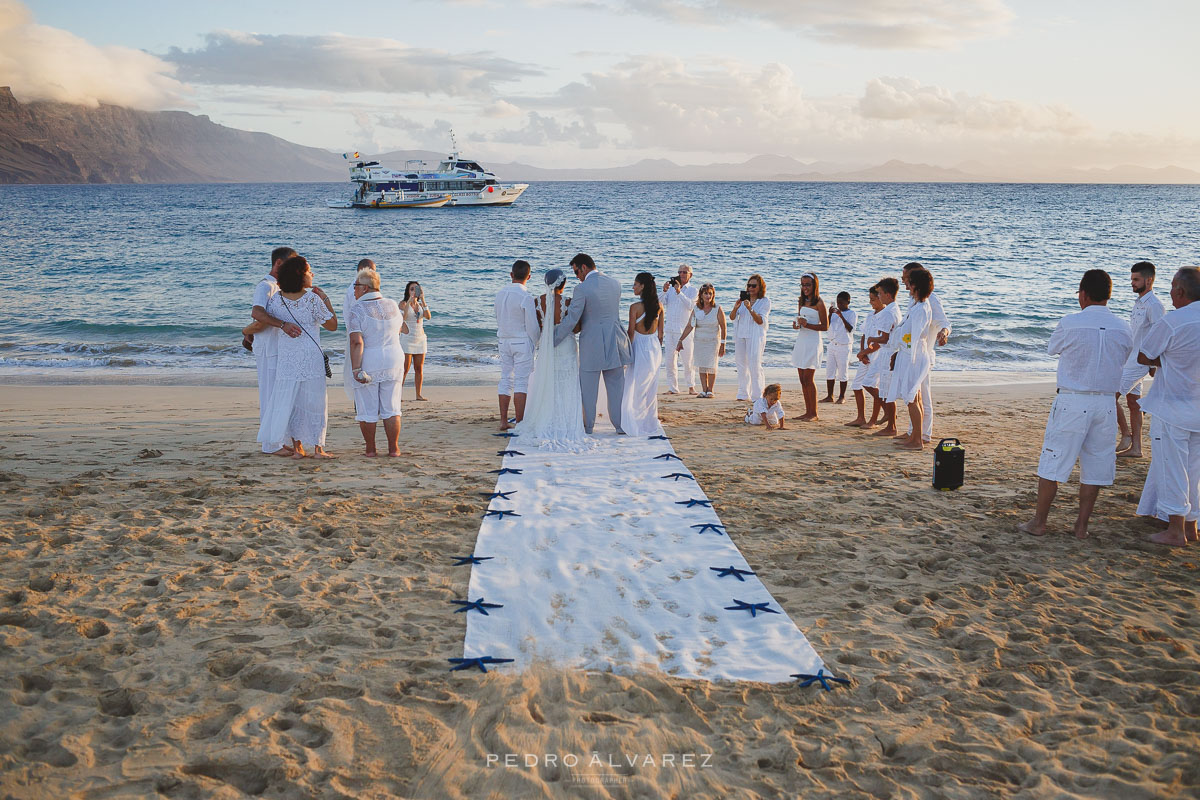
{"points": [[539, 402]]}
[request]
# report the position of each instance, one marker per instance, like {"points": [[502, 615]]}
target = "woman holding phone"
{"points": [[414, 344], [751, 315]]}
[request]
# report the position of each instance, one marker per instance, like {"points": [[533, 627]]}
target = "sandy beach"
{"points": [[181, 616]]}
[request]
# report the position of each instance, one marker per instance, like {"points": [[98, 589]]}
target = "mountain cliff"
{"points": [[43, 142]]}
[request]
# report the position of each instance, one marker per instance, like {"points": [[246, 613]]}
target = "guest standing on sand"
{"points": [[837, 355], [678, 300], [348, 301], [1147, 310], [879, 375], [1092, 346], [812, 318], [298, 409], [1172, 345], [941, 328], [262, 335], [916, 349], [639, 407], [517, 332], [707, 328], [414, 342], [376, 361], [862, 366], [751, 317]]}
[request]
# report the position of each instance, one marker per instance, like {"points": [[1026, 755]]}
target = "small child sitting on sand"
{"points": [[767, 410]]}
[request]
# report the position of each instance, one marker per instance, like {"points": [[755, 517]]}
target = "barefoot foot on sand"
{"points": [[1169, 538], [323, 454], [422, 398], [1032, 527], [855, 423], [840, 401], [827, 399], [1130, 453], [394, 454], [370, 454], [912, 446], [283, 451], [1082, 534], [885, 432], [1125, 443]]}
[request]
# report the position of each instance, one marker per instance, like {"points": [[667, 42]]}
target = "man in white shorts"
{"points": [[837, 354], [862, 364], [1173, 346], [879, 375], [518, 331], [1092, 346], [1147, 310]]}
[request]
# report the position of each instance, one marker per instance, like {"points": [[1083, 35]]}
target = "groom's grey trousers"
{"points": [[589, 388]]}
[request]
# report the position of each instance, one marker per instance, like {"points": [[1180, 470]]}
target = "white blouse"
{"points": [[378, 319], [301, 358], [746, 328]]}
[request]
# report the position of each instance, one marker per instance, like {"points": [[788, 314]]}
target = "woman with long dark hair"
{"points": [[751, 317], [639, 406], [915, 355], [414, 344], [812, 318]]}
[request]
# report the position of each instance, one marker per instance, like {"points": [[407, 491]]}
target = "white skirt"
{"points": [[298, 411], [806, 353]]}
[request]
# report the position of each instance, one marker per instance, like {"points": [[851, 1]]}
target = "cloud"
{"points": [[542, 130], [883, 24], [908, 99], [342, 63], [44, 63]]}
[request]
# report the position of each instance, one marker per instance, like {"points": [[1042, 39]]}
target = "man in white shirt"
{"points": [[1172, 345], [1147, 310], [879, 374], [518, 331], [678, 300], [348, 304], [941, 323], [837, 354], [263, 332], [1092, 346]]}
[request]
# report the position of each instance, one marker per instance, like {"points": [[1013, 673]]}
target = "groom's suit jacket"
{"points": [[603, 341]]}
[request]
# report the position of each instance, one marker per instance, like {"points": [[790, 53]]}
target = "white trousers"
{"points": [[266, 385], [671, 357], [516, 365], [837, 361], [1179, 473], [748, 356]]}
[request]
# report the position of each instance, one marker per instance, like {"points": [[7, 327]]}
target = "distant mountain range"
{"points": [[43, 142]]}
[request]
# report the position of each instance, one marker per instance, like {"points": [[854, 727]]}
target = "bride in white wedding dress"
{"points": [[554, 408]]}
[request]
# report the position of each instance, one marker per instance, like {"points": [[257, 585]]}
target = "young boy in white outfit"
{"points": [[767, 410], [837, 354]]}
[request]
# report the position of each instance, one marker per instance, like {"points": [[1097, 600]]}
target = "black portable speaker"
{"points": [[949, 463]]}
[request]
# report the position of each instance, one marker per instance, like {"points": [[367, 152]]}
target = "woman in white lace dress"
{"points": [[554, 409], [639, 406], [298, 403], [376, 360], [414, 342]]}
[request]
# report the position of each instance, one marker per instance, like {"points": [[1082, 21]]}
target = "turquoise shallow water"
{"points": [[153, 282]]}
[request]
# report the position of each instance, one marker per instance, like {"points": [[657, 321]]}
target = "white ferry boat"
{"points": [[455, 182]]}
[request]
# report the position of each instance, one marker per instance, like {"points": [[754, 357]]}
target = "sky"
{"points": [[982, 84]]}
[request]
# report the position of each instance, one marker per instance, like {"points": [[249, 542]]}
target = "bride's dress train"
{"points": [[554, 407]]}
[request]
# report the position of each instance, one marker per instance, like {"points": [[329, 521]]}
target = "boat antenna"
{"points": [[453, 144]]}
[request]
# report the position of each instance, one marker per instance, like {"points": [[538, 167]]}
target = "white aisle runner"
{"points": [[609, 566]]}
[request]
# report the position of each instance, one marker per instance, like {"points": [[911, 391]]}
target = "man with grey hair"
{"points": [[678, 300], [1172, 345]]}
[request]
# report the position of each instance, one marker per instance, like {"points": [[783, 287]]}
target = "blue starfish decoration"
{"points": [[822, 676], [467, 663], [693, 502], [499, 513], [753, 608], [734, 571], [659, 438], [668, 457], [462, 561], [501, 495], [675, 476], [505, 471], [478, 605], [507, 434], [710, 526], [509, 453]]}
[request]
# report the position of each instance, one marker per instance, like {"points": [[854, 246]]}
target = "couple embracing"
{"points": [[566, 374]]}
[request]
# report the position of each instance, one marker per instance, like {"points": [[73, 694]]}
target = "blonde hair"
{"points": [[368, 277], [772, 388]]}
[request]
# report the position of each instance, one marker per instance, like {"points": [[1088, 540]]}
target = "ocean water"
{"points": [[154, 282]]}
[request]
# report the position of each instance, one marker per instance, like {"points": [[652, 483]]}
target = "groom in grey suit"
{"points": [[603, 342]]}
